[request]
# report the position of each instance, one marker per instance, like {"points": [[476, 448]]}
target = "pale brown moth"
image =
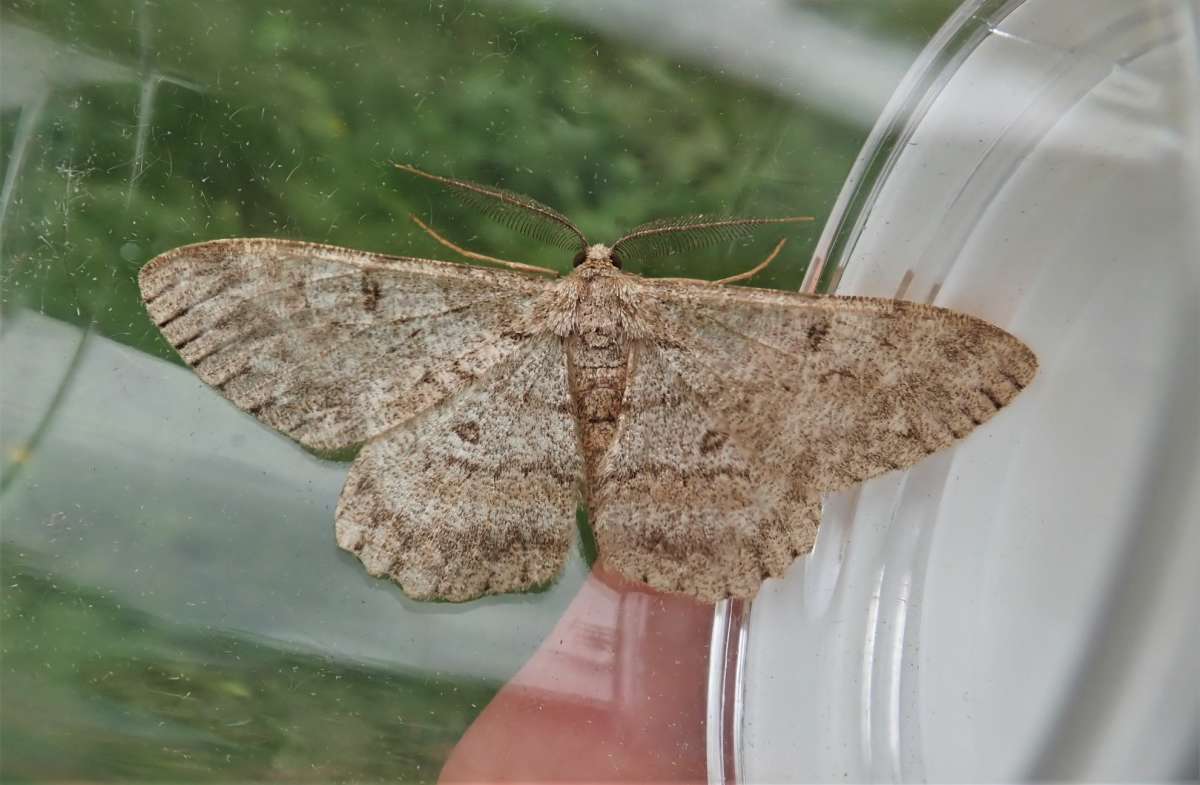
{"points": [[698, 422]]}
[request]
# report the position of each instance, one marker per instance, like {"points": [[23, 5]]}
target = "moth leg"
{"points": [[758, 268], [529, 268]]}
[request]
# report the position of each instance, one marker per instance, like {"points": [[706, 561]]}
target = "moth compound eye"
{"points": [[579, 257], [615, 258]]}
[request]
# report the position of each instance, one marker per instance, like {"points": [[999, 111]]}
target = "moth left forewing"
{"points": [[840, 389], [332, 345]]}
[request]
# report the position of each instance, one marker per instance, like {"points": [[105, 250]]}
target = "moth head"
{"points": [[598, 255]]}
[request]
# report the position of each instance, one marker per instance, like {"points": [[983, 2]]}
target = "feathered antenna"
{"points": [[519, 213], [677, 235]]}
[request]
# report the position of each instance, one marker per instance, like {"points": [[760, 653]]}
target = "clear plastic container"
{"points": [[1021, 607]]}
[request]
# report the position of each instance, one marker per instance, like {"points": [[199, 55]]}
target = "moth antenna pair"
{"points": [[530, 268], [541, 222]]}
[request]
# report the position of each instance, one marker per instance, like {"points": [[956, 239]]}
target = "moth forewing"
{"points": [[333, 346]]}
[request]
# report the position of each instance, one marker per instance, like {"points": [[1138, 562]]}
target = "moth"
{"points": [[699, 422]]}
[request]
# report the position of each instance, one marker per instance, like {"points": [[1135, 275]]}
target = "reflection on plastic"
{"points": [[1016, 608]]}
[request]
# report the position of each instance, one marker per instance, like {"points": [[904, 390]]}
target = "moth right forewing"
{"points": [[331, 345], [840, 389]]}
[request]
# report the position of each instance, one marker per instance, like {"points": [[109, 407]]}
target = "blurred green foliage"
{"points": [[147, 125], [282, 122], [100, 692]]}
